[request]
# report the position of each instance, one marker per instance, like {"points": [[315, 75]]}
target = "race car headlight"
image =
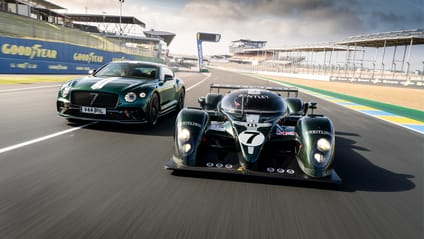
{"points": [[323, 145], [186, 148], [319, 158], [142, 95], [184, 135], [130, 97], [65, 91]]}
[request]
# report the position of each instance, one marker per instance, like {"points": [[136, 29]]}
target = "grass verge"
{"points": [[394, 109]]}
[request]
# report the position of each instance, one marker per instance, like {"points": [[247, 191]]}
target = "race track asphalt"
{"points": [[108, 181]]}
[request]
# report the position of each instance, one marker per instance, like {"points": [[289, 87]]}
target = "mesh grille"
{"points": [[94, 99]]}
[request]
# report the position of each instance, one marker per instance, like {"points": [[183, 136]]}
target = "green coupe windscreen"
{"points": [[124, 69]]}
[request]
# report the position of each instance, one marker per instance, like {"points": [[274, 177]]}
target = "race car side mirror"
{"points": [[202, 101], [91, 72], [305, 108], [312, 106]]}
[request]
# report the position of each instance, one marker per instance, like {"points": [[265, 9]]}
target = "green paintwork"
{"points": [[230, 135], [309, 129], [168, 91], [196, 122]]}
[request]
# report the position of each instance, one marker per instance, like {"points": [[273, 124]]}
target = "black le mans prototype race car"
{"points": [[255, 131], [122, 92]]}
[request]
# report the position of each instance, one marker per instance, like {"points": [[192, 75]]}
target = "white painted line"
{"points": [[322, 96], [16, 146], [30, 88], [208, 75]]}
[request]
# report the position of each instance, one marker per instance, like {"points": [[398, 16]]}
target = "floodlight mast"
{"points": [[120, 16]]}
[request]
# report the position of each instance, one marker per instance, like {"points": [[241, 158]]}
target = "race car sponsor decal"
{"points": [[252, 118], [284, 131], [319, 132], [217, 126], [251, 138], [189, 123], [253, 92]]}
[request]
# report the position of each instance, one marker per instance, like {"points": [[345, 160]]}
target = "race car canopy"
{"points": [[253, 100]]}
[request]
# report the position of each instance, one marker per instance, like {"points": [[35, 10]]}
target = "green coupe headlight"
{"points": [[65, 91], [130, 97], [323, 145], [142, 95]]}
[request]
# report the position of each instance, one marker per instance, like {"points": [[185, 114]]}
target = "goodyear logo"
{"points": [[89, 58], [31, 52]]}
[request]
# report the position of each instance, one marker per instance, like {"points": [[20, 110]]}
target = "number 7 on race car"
{"points": [[251, 138]]}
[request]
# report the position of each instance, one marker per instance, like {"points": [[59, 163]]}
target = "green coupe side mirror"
{"points": [[168, 78]]}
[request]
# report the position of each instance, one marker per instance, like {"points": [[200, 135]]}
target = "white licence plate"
{"points": [[93, 110]]}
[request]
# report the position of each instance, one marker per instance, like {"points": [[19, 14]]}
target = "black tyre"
{"points": [[153, 111], [180, 104]]}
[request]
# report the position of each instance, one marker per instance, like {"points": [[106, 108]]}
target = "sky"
{"points": [[281, 23]]}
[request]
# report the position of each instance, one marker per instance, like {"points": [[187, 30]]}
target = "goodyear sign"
{"points": [[23, 56]]}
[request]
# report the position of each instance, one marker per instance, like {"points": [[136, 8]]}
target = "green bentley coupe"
{"points": [[122, 92]]}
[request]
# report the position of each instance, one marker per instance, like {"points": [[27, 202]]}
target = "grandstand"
{"points": [[361, 58], [38, 19]]}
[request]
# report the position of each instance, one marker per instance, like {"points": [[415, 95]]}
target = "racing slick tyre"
{"points": [[153, 111]]}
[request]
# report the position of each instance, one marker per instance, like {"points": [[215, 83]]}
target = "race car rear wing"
{"points": [[287, 90]]}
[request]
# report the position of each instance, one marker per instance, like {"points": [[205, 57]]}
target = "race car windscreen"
{"points": [[253, 101]]}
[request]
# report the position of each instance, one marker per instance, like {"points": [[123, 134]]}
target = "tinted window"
{"points": [[253, 101], [124, 69]]}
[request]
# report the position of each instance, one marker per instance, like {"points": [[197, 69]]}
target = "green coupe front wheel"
{"points": [[180, 104], [153, 112]]}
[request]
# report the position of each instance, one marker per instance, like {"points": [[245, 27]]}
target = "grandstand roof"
{"points": [[315, 48], [134, 39], [43, 3], [166, 36], [246, 40], [98, 18], [394, 38]]}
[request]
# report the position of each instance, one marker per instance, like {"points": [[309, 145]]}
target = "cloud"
{"points": [[280, 22]]}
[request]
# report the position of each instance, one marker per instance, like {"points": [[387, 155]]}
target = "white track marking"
{"points": [[29, 88], [200, 82], [16, 146]]}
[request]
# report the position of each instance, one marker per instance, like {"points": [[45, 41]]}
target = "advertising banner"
{"points": [[25, 56]]}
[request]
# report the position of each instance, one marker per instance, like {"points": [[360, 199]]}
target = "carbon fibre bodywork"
{"points": [[255, 131]]}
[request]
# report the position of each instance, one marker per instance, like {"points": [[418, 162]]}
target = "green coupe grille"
{"points": [[95, 99]]}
